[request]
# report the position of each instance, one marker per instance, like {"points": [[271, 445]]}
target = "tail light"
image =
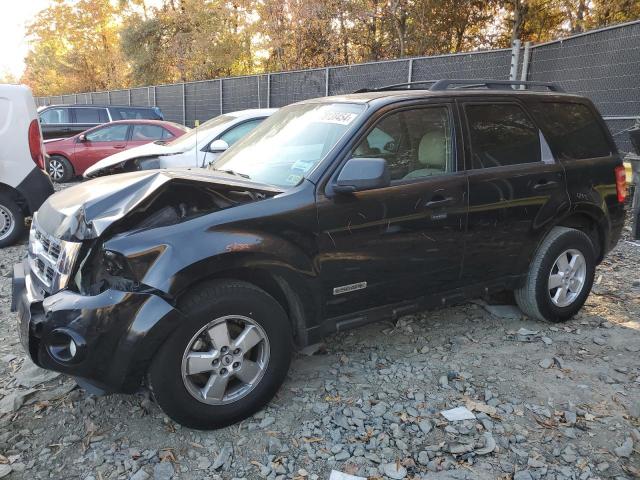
{"points": [[621, 183], [35, 144]]}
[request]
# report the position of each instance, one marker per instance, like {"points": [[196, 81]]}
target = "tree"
{"points": [[75, 47], [187, 40]]}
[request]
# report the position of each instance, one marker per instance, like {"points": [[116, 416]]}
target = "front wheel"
{"points": [[560, 276], [60, 169], [227, 361]]}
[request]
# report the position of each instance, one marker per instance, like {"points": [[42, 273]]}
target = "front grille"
{"points": [[51, 259]]}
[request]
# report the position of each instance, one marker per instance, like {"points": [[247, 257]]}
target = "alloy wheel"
{"points": [[225, 360], [56, 169], [7, 222], [567, 278]]}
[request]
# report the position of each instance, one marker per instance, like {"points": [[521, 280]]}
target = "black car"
{"points": [[333, 213], [62, 121]]}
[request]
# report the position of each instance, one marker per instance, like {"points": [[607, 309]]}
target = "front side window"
{"points": [[55, 115], [415, 143], [147, 133], [572, 129], [236, 133], [283, 149], [501, 135], [113, 133], [91, 115]]}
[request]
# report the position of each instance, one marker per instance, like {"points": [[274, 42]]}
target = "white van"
{"points": [[24, 185]]}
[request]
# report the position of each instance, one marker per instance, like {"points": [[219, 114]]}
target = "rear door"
{"points": [[100, 143], [515, 188], [142, 133], [397, 243]]}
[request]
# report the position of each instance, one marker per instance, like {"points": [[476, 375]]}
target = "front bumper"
{"points": [[121, 331]]}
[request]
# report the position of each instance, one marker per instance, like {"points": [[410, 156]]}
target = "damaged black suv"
{"points": [[333, 213]]}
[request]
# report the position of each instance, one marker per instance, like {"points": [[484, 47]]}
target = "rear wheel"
{"points": [[227, 361], [560, 276], [11, 220], [59, 169]]}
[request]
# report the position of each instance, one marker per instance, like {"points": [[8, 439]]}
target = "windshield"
{"points": [[199, 134], [286, 146]]}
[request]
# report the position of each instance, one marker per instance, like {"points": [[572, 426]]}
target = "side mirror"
{"points": [[218, 146], [360, 174], [82, 138]]}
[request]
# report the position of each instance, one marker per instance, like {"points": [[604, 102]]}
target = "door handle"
{"points": [[118, 146], [438, 201], [543, 185]]}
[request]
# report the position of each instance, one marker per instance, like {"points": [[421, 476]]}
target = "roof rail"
{"points": [[491, 84], [445, 84]]}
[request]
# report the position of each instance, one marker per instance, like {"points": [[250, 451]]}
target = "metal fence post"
{"points": [[91, 98], [155, 100], [268, 90], [525, 63], [515, 57], [109, 97], [410, 75], [258, 79], [129, 90], [326, 81], [184, 104], [221, 96]]}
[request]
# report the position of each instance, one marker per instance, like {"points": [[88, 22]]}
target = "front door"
{"points": [[397, 243], [100, 143]]}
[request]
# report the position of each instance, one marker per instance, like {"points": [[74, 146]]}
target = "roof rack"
{"points": [[453, 84]]}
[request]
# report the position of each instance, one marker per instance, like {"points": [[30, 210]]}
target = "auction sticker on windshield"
{"points": [[341, 118]]}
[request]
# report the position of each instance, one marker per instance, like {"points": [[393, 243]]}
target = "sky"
{"points": [[14, 15]]}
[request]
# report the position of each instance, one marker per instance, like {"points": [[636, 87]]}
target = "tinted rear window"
{"points": [[91, 115], [501, 135], [572, 129], [124, 113]]}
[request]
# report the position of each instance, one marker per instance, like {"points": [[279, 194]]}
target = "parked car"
{"points": [[333, 213], [198, 148], [62, 121], [23, 184], [69, 157]]}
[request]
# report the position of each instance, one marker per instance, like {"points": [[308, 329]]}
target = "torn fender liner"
{"points": [[86, 210]]}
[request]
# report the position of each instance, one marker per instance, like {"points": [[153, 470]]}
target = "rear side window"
{"points": [[91, 115], [123, 113], [572, 130], [501, 135]]}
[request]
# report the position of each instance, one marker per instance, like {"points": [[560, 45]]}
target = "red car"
{"points": [[70, 157]]}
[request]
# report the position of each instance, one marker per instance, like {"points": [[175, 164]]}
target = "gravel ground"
{"points": [[550, 402]]}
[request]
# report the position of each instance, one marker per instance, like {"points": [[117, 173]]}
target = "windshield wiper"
{"points": [[233, 172]]}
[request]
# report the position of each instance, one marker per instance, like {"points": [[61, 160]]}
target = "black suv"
{"points": [[333, 213], [62, 121]]}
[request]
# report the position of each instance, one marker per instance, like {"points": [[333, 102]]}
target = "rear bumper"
{"points": [[116, 333], [35, 189]]}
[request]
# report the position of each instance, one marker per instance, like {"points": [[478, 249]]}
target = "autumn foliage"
{"points": [[92, 45]]}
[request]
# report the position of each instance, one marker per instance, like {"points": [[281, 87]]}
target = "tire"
{"points": [[539, 297], [11, 220], [59, 169], [174, 380]]}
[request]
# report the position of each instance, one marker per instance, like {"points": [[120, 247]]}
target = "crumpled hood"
{"points": [[86, 210], [146, 150]]}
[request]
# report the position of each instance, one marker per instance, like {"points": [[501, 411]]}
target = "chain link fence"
{"points": [[603, 65]]}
